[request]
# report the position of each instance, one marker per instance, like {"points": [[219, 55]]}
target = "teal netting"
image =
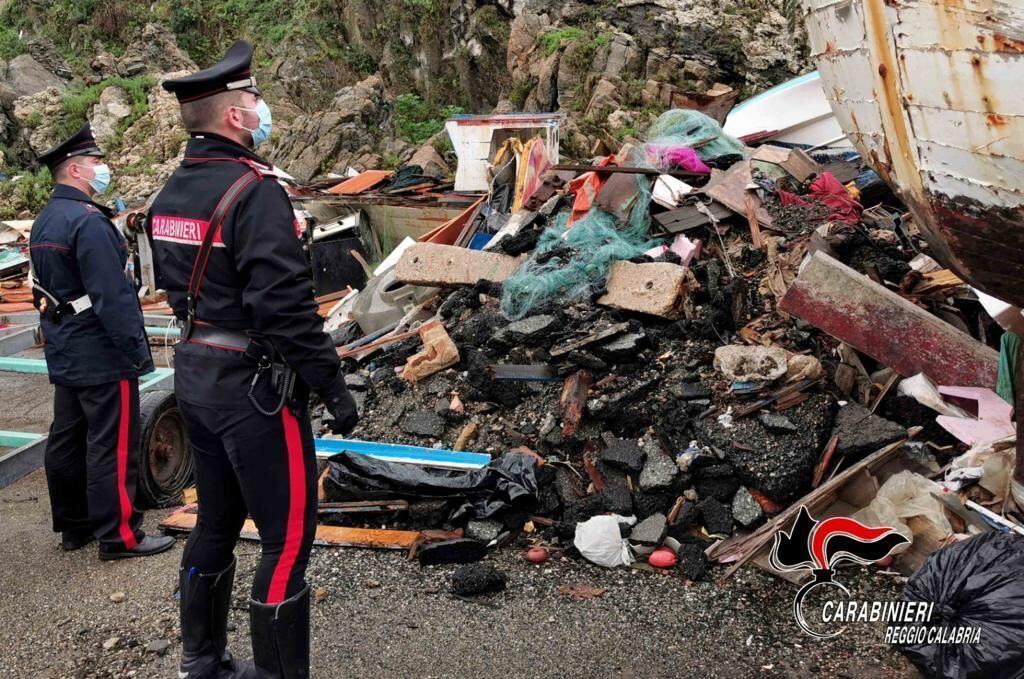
{"points": [[684, 127], [594, 242]]}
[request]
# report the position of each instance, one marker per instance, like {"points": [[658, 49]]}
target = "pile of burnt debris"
{"points": [[663, 355]]}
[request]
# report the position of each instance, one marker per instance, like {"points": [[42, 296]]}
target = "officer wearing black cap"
{"points": [[96, 349], [252, 348]]}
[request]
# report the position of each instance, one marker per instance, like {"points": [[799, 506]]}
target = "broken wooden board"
{"points": [[892, 330], [686, 217], [524, 373], [361, 506], [573, 400], [796, 162], [656, 288], [730, 189], [449, 265], [184, 520], [593, 338]]}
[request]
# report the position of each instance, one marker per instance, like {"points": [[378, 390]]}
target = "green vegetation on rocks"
{"points": [[416, 122], [29, 192], [75, 103], [10, 44]]}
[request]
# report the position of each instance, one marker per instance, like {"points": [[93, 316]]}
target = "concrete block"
{"points": [[448, 265], [892, 330], [656, 288]]}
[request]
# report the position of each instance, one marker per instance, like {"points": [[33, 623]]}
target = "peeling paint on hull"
{"points": [[932, 92]]}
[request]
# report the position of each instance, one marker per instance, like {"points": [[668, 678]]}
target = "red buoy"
{"points": [[662, 557], [537, 555]]}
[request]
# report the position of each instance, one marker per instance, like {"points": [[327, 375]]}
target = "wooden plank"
{"points": [[826, 459], [688, 217], [593, 338], [730, 189], [184, 520], [573, 400], [755, 228]]}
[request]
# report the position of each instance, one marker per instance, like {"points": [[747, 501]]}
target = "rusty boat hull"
{"points": [[931, 92]]}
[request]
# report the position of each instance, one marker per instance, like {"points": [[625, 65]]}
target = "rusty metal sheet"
{"points": [[361, 182]]}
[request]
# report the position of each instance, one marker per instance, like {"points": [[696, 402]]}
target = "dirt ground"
{"points": [[383, 615]]}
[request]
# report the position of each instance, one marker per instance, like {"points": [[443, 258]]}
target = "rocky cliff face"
{"points": [[333, 70]]}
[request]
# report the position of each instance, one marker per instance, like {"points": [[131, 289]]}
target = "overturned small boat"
{"points": [[794, 112], [931, 92]]}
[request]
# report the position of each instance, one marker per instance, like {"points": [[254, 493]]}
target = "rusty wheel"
{"points": [[166, 461]]}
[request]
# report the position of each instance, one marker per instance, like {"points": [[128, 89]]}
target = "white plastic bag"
{"points": [[924, 391], [599, 540], [905, 502]]}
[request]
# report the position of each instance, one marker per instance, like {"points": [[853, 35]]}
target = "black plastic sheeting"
{"points": [[508, 482], [975, 583]]}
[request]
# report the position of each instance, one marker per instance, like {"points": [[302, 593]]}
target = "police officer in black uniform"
{"points": [[253, 346], [96, 349]]}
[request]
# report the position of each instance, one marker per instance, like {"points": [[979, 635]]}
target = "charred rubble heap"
{"points": [[702, 418]]}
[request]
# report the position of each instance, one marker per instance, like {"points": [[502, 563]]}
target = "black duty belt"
{"points": [[282, 377]]}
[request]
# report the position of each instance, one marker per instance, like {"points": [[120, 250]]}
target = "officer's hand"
{"points": [[343, 409]]}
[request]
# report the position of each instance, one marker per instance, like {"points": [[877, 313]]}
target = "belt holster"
{"points": [[282, 378], [50, 309]]}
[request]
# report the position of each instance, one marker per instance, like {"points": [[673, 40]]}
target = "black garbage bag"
{"points": [[508, 482], [976, 583]]}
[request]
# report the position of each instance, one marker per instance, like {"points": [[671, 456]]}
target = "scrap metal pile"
{"points": [[669, 351]]}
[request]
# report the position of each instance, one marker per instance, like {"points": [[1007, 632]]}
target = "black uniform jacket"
{"points": [[76, 250], [256, 280]]}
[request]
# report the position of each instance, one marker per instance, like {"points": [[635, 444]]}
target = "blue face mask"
{"points": [[262, 132], [101, 177]]}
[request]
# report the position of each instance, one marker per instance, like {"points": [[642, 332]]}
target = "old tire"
{"points": [[165, 461]]}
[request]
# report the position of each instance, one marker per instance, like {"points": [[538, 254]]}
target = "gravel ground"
{"points": [[384, 616], [380, 614]]}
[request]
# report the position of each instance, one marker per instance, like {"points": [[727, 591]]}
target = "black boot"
{"points": [[205, 601], [280, 637]]}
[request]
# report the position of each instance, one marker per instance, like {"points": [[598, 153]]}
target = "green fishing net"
{"points": [[570, 264], [685, 127], [566, 265]]}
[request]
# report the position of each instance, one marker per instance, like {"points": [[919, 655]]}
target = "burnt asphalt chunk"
{"points": [[476, 579], [650, 531], [861, 433], [623, 454], [423, 423], [692, 562], [779, 424], [623, 348], [745, 509], [659, 470], [716, 516], [532, 330], [716, 481], [617, 500]]}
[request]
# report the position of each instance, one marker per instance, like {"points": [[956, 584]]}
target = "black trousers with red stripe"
{"points": [[90, 462], [248, 463]]}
